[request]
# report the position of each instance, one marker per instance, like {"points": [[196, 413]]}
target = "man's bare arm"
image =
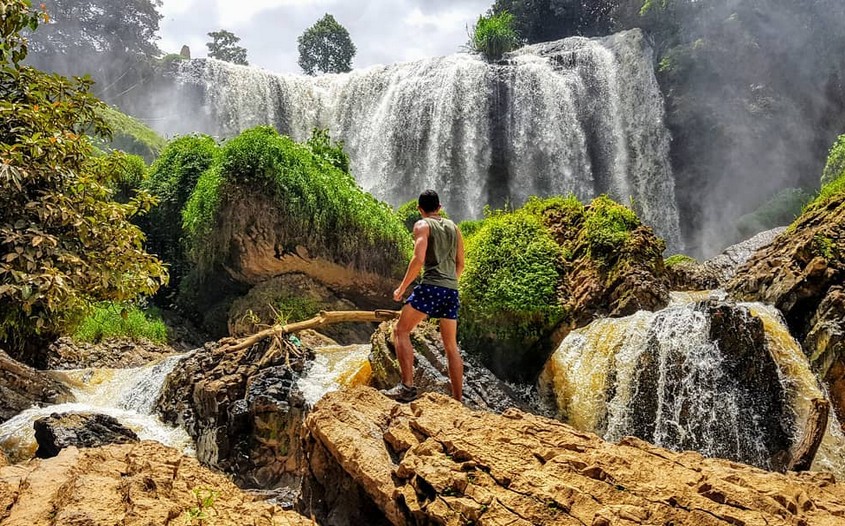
{"points": [[421, 231]]}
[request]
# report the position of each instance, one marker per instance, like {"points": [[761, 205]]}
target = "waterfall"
{"points": [[660, 376], [333, 368], [581, 116], [128, 395]]}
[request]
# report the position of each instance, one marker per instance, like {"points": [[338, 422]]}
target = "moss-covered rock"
{"points": [[535, 273], [131, 135]]}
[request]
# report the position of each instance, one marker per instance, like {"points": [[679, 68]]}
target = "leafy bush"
{"points": [[494, 35], [172, 180], [470, 227], [323, 207], [114, 320], [835, 166], [64, 242], [509, 288], [332, 151], [132, 171]]}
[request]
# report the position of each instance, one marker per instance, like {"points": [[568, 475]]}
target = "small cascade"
{"points": [[582, 116], [129, 395], [662, 377], [333, 368]]}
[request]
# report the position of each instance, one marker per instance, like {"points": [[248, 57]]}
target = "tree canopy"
{"points": [[224, 46], [64, 242], [544, 20], [326, 47]]}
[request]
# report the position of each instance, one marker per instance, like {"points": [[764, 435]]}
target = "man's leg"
{"points": [[408, 319], [449, 333]]}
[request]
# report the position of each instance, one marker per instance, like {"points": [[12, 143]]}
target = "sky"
{"points": [[384, 31]]}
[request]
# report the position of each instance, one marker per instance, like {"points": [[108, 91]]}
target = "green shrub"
{"points": [[132, 171], [835, 166], [114, 320], [172, 180], [509, 288], [323, 207], [494, 35], [131, 135], [470, 227], [331, 151]]}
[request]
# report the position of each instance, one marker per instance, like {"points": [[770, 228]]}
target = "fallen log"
{"points": [[805, 451], [322, 319]]}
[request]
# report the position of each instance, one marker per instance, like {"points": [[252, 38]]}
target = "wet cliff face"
{"points": [[579, 115], [801, 273]]}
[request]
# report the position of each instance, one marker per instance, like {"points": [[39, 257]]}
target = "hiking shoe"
{"points": [[401, 393]]}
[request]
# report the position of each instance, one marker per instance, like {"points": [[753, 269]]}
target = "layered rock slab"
{"points": [[131, 484], [436, 462], [21, 387], [83, 430]]}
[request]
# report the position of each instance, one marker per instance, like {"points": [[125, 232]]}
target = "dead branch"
{"points": [[805, 451], [322, 319]]}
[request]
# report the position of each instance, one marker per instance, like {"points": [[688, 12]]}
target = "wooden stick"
{"points": [[324, 318], [805, 451]]}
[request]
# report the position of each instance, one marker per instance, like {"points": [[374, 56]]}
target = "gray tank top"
{"points": [[440, 255]]}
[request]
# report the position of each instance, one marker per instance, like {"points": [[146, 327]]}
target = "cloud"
{"points": [[384, 31]]}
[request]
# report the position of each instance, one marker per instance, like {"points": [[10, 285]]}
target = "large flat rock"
{"points": [[130, 484], [436, 462]]}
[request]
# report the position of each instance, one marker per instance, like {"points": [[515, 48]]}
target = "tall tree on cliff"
{"points": [[64, 242], [111, 40], [326, 47], [224, 46]]}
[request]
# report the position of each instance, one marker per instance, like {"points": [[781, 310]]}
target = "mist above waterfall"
{"points": [[580, 116]]}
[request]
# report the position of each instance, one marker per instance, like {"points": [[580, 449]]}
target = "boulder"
{"points": [[82, 430], [22, 387], [243, 409], [801, 273], [132, 485], [715, 273], [65, 353], [482, 390], [435, 461]]}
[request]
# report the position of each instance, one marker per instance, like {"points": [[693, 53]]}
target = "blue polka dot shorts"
{"points": [[437, 302]]}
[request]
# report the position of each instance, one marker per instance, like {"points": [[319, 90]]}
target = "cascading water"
{"points": [[660, 376], [582, 116], [334, 368], [128, 395]]}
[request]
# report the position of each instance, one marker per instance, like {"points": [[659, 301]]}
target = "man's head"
{"points": [[429, 202]]}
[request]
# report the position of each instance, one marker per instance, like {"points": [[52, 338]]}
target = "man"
{"points": [[439, 252]]}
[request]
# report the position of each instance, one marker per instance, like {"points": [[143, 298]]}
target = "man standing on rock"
{"points": [[439, 252]]}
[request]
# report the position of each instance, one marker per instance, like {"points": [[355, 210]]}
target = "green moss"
{"points": [[292, 308], [131, 135], [113, 320], [323, 207], [679, 259], [825, 247], [608, 227]]}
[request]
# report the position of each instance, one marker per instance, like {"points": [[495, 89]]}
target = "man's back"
{"points": [[441, 253]]}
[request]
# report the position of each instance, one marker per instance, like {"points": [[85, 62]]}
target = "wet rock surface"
{"points": [[802, 273], [243, 409], [110, 354], [435, 461], [482, 390], [716, 272], [133, 485], [84, 430], [21, 387]]}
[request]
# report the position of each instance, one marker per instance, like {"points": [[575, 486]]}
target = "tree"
{"points": [[224, 47], [64, 242], [114, 41], [544, 20], [326, 47]]}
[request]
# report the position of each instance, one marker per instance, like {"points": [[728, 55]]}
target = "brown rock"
{"points": [[474, 467], [482, 390], [21, 387], [83, 430], [134, 484], [244, 411], [110, 354], [802, 274]]}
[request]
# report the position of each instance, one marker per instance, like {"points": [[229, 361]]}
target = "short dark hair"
{"points": [[429, 201]]}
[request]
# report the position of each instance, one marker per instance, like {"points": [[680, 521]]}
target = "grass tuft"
{"points": [[113, 320]]}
